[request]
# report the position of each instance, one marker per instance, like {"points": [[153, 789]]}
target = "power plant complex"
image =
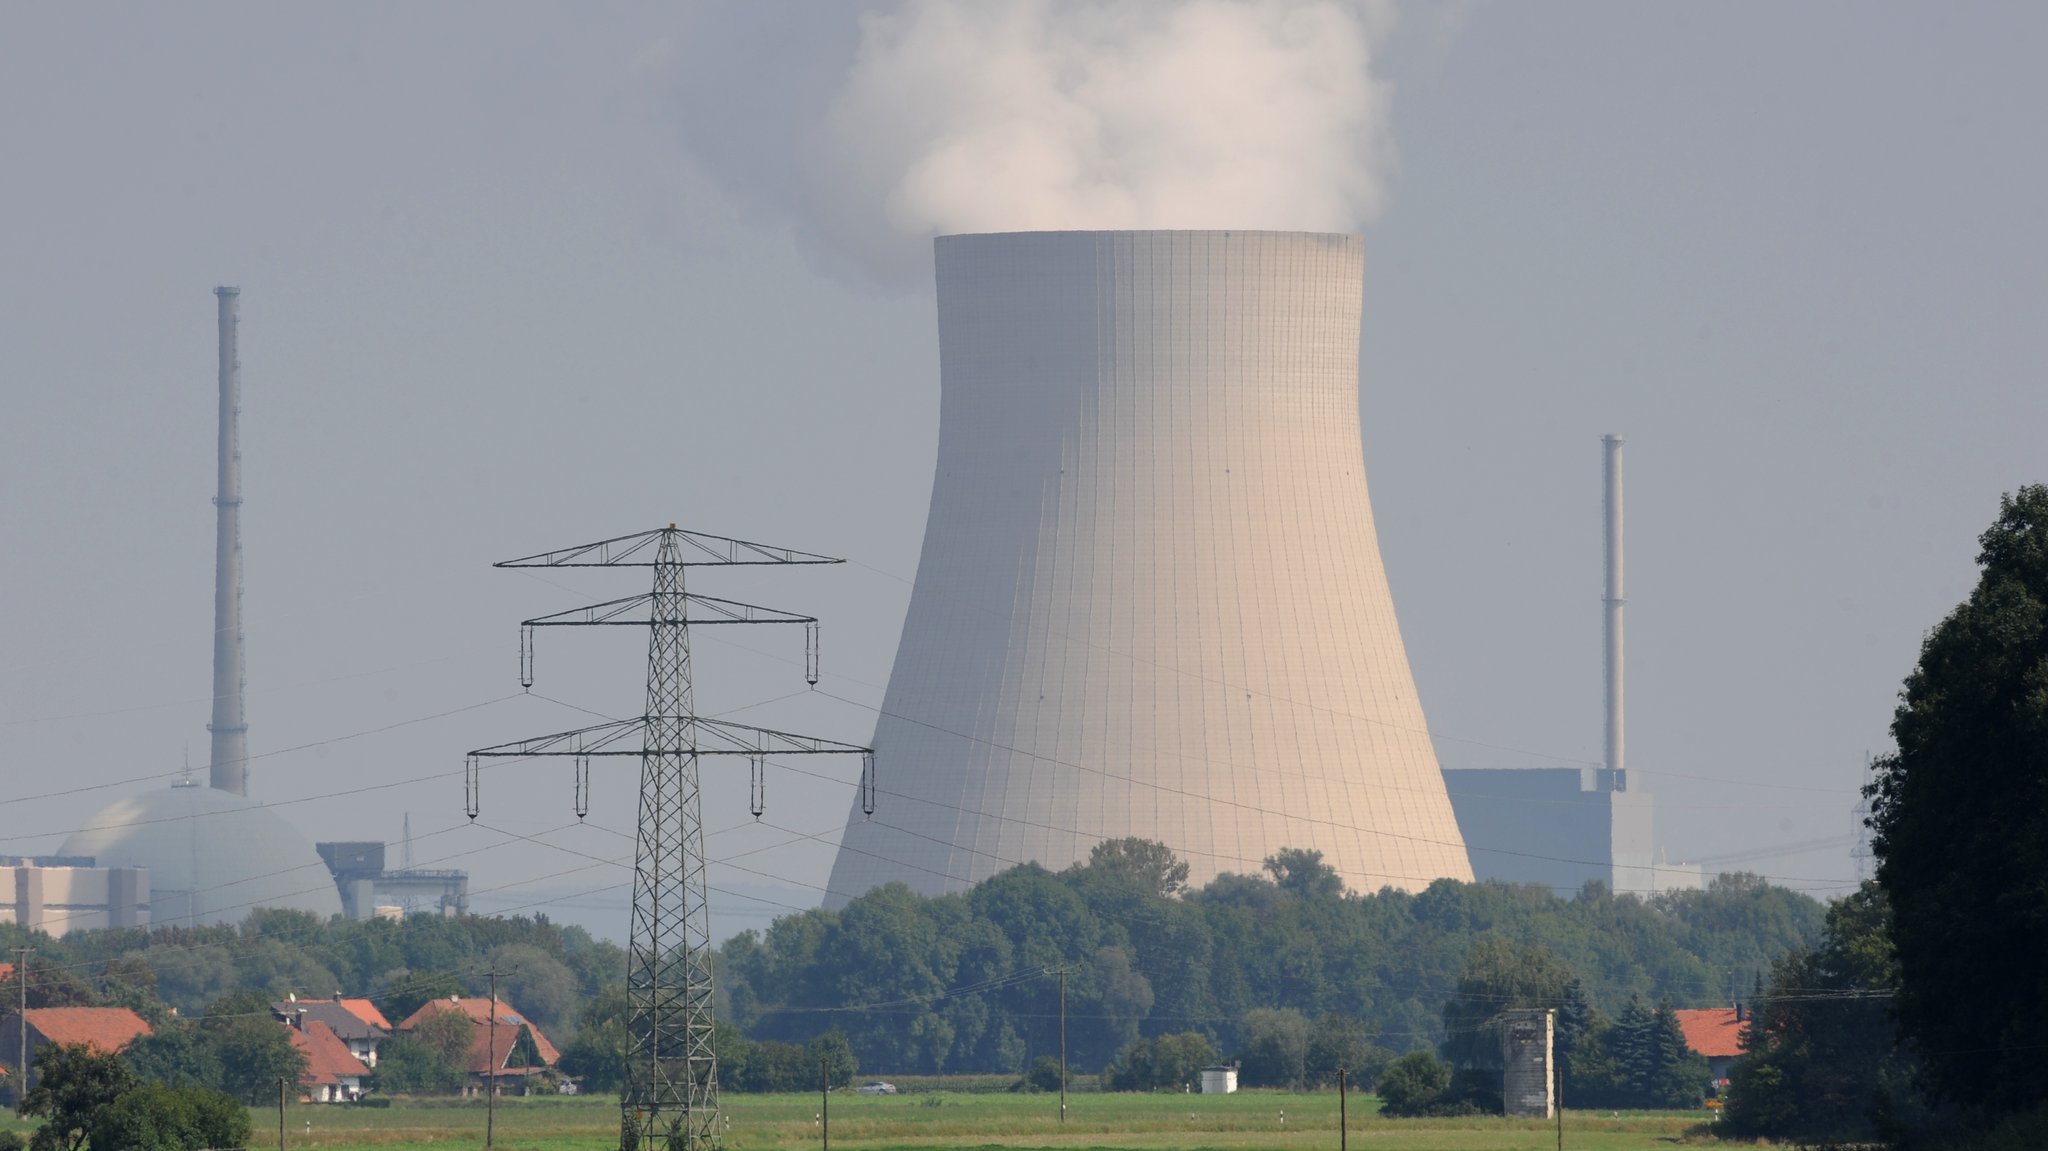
{"points": [[1150, 601], [192, 853], [1150, 604]]}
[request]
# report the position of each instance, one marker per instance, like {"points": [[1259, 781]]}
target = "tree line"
{"points": [[962, 983]]}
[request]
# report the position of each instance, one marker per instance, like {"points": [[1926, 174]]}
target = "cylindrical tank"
{"points": [[1150, 601]]}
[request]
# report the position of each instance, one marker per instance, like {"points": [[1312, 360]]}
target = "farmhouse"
{"points": [[1715, 1032], [494, 1059]]}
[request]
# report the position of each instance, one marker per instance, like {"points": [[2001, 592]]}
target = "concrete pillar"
{"points": [[1528, 1079]]}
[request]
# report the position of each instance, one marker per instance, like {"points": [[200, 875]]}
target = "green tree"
{"points": [[1274, 1052], [1960, 812], [1343, 1041], [1414, 1085], [449, 1033], [74, 1084], [406, 1065], [539, 985], [1303, 873], [597, 1056], [1147, 863], [1168, 1062], [154, 1117], [1498, 976], [1822, 1059], [1042, 1075], [253, 1050], [834, 1054], [50, 984], [175, 1055], [409, 990]]}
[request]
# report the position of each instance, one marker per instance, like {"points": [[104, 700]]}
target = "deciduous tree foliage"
{"points": [[1823, 1062], [74, 1084], [961, 982], [154, 1117], [1960, 812]]}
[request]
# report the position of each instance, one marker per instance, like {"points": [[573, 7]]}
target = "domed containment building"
{"points": [[213, 856], [1150, 601]]}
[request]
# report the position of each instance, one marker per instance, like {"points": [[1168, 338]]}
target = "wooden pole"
{"points": [[1557, 1068], [280, 1113], [825, 1100], [1343, 1113], [491, 1067], [1063, 1045], [21, 955]]}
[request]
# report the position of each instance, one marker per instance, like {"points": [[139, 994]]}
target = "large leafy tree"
{"points": [[1498, 976], [154, 1117], [1822, 1060], [253, 1051], [74, 1084], [1961, 818]]}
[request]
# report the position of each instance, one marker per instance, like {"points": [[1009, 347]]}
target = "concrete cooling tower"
{"points": [[1150, 601]]}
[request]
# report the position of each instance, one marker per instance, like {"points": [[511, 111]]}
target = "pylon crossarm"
{"points": [[639, 550], [717, 737], [602, 739], [621, 613]]}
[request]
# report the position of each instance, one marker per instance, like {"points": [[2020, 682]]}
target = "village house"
{"points": [[356, 1022], [103, 1029], [1715, 1032], [333, 1074], [496, 1061]]}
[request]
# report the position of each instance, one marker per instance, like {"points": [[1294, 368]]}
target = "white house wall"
{"points": [[1150, 601]]}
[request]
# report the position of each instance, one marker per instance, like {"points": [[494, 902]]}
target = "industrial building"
{"points": [[59, 894], [368, 890], [1565, 827], [212, 854], [1150, 600], [1561, 827]]}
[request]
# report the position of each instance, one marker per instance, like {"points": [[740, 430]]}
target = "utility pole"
{"points": [[1343, 1113], [671, 1091], [280, 1113], [1063, 1045], [825, 1100], [491, 1066], [21, 955], [1558, 1070]]}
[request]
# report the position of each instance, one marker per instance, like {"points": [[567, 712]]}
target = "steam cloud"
{"points": [[963, 115]]}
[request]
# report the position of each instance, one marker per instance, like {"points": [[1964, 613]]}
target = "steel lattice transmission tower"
{"points": [[671, 1093]]}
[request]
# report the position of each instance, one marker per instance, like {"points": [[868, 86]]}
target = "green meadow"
{"points": [[1247, 1120]]}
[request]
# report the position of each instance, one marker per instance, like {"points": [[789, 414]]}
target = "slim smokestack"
{"points": [[230, 770], [1614, 601]]}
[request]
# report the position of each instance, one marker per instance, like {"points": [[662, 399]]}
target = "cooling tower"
{"points": [[1150, 601]]}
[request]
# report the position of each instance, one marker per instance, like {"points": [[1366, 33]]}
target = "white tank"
{"points": [[1150, 601], [213, 856]]}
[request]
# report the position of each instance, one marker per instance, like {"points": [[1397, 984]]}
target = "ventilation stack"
{"points": [[230, 770]]}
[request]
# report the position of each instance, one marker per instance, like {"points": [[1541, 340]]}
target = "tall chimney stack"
{"points": [[230, 770], [1614, 600]]}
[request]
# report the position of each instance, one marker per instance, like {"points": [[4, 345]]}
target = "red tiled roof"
{"points": [[1714, 1032], [104, 1029], [367, 1011], [6, 970], [478, 1009], [328, 1060]]}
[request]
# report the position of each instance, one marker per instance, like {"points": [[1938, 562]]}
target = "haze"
{"points": [[516, 278]]}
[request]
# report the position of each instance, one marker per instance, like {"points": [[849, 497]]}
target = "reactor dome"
{"points": [[213, 856]]}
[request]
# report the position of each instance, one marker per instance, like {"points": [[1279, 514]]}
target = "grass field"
{"points": [[1247, 1120]]}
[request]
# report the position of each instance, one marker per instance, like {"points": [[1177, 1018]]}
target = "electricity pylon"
{"points": [[671, 1094]]}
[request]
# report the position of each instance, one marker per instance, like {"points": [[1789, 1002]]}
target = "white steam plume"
{"points": [[967, 115]]}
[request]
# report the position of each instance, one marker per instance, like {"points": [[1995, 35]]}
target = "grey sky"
{"points": [[500, 295]]}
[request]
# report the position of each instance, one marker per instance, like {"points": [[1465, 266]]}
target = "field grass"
{"points": [[1247, 1121]]}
